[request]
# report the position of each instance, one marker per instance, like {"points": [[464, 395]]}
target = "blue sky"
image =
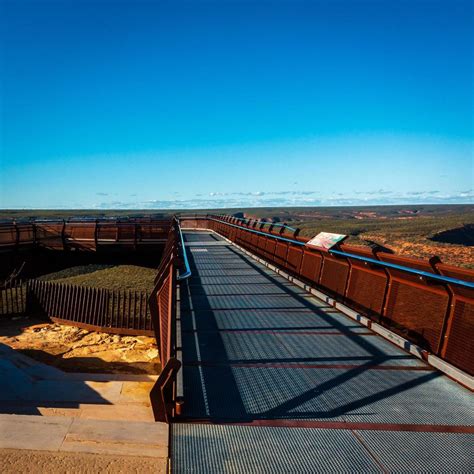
{"points": [[210, 104]]}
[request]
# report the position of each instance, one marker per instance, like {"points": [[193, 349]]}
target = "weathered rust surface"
{"points": [[66, 235]]}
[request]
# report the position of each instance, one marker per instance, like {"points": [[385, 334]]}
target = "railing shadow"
{"points": [[28, 385], [285, 389], [34, 381]]}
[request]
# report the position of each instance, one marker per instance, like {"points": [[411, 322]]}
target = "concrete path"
{"points": [[275, 380]]}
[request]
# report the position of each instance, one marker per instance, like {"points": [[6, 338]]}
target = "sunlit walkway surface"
{"points": [[277, 381]]}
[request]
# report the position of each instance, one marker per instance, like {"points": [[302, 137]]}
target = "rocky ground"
{"points": [[457, 255], [77, 350]]}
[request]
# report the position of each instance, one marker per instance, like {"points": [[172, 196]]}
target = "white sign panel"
{"points": [[326, 240]]}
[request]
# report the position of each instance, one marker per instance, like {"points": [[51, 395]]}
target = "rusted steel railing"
{"points": [[164, 396], [84, 235], [427, 302]]}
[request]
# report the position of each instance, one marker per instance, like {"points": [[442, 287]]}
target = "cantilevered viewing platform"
{"points": [[277, 380], [277, 356]]}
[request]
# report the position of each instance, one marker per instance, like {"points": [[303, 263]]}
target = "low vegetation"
{"points": [[112, 277]]}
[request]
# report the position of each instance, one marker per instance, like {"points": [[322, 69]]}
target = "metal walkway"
{"points": [[277, 381]]}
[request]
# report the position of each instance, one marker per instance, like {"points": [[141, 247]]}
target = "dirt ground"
{"points": [[77, 350], [40, 462]]}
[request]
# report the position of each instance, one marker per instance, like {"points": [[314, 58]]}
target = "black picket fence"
{"points": [[13, 297], [121, 312]]}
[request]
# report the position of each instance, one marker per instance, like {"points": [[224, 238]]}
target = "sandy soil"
{"points": [[77, 350], [40, 462]]}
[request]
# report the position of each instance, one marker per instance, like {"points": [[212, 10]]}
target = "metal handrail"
{"points": [[187, 273], [274, 224], [266, 234], [432, 276]]}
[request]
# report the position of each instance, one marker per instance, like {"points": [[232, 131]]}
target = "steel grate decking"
{"points": [[420, 452], [244, 289], [238, 347], [214, 449], [268, 319], [327, 394], [351, 395]]}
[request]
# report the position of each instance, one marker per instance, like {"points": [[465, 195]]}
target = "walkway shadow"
{"points": [[28, 384], [265, 383]]}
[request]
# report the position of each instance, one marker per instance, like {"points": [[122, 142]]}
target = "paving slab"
{"points": [[117, 412], [117, 437], [33, 432]]}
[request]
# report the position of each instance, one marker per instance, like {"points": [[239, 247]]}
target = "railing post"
{"points": [[63, 234], [448, 317], [96, 234]]}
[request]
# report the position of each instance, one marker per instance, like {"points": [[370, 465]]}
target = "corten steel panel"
{"points": [[261, 243], [367, 283], [295, 255], [232, 233], [164, 309], [25, 234], [459, 348], [107, 232], [226, 229], [126, 231], [242, 237], [236, 234], [254, 241], [458, 341], [311, 265], [250, 241], [80, 235], [334, 275], [366, 290], [270, 250], [153, 231], [189, 223], [417, 311], [79, 231], [7, 235], [280, 253], [417, 307], [49, 235]]}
